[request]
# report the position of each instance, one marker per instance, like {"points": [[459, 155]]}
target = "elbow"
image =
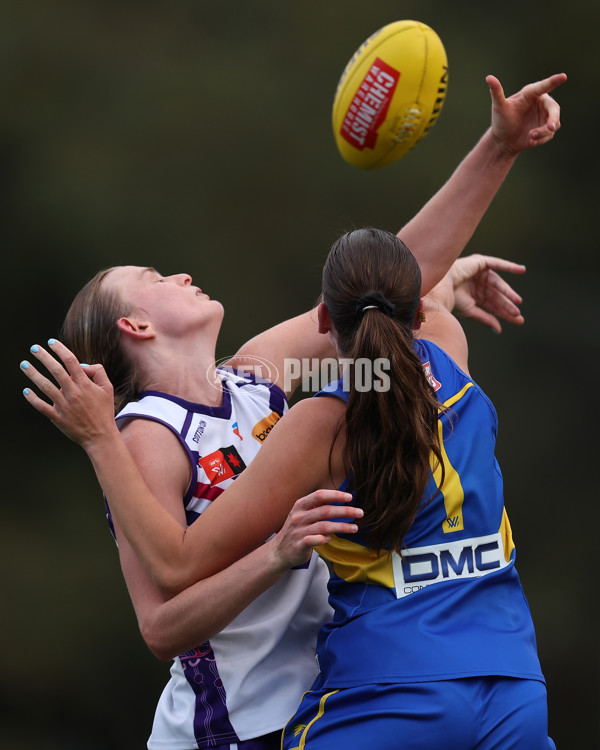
{"points": [[158, 639]]}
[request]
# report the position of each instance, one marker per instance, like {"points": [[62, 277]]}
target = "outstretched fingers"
{"points": [[496, 90], [321, 498], [530, 117], [545, 86], [45, 408], [325, 517], [497, 299], [327, 507], [549, 108], [312, 521], [80, 395], [48, 387], [503, 291]]}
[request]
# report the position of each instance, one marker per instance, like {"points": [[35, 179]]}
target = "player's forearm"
{"points": [[441, 230], [205, 608]]}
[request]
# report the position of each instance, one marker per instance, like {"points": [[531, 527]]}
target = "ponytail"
{"points": [[391, 435]]}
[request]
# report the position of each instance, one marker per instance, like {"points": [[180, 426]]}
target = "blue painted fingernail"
{"points": [[25, 365], [26, 391], [34, 349], [51, 342], [83, 364]]}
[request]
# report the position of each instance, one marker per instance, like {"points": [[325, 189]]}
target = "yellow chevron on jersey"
{"points": [[355, 563], [452, 488], [506, 534]]}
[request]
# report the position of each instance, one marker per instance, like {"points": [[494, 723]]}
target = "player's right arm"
{"points": [[173, 621], [441, 230], [172, 626]]}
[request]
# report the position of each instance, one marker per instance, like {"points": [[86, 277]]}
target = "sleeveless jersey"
{"points": [[247, 681], [451, 605]]}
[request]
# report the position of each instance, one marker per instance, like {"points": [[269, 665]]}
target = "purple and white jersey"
{"points": [[248, 680]]}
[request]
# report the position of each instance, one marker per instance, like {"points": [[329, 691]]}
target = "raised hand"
{"points": [[480, 293], [528, 118], [80, 397]]}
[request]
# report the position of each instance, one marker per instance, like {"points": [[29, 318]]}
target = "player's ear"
{"points": [[325, 324], [135, 329], [419, 316]]}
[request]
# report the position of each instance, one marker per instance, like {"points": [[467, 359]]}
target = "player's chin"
{"points": [[217, 306]]}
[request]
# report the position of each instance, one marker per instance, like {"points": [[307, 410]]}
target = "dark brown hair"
{"points": [[392, 435], [90, 330]]}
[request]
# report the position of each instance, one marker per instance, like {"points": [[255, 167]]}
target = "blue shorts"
{"points": [[476, 713], [266, 742]]}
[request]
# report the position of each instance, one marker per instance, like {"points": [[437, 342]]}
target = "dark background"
{"points": [[195, 136]]}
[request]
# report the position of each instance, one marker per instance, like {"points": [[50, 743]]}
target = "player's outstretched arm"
{"points": [[438, 234], [443, 227], [80, 405]]}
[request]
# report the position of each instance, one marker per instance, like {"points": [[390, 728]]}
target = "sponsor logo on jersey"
{"points": [[236, 430], [369, 106], [435, 384], [222, 464], [263, 428], [199, 431], [469, 558]]}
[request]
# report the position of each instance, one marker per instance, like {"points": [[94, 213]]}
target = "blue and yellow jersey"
{"points": [[452, 604]]}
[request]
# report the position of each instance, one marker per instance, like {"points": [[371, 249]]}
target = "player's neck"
{"points": [[187, 373]]}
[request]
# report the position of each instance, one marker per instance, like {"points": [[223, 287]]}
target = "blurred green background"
{"points": [[196, 136]]}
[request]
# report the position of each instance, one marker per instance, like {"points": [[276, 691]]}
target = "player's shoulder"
{"points": [[431, 352], [318, 417], [326, 404], [154, 420], [147, 432]]}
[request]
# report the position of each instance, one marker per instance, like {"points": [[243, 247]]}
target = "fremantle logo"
{"points": [[468, 558]]}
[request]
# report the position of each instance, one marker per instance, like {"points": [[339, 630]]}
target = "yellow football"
{"points": [[390, 94]]}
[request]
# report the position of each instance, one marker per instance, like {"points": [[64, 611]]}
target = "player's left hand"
{"points": [[528, 118], [80, 397], [480, 293], [311, 522]]}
